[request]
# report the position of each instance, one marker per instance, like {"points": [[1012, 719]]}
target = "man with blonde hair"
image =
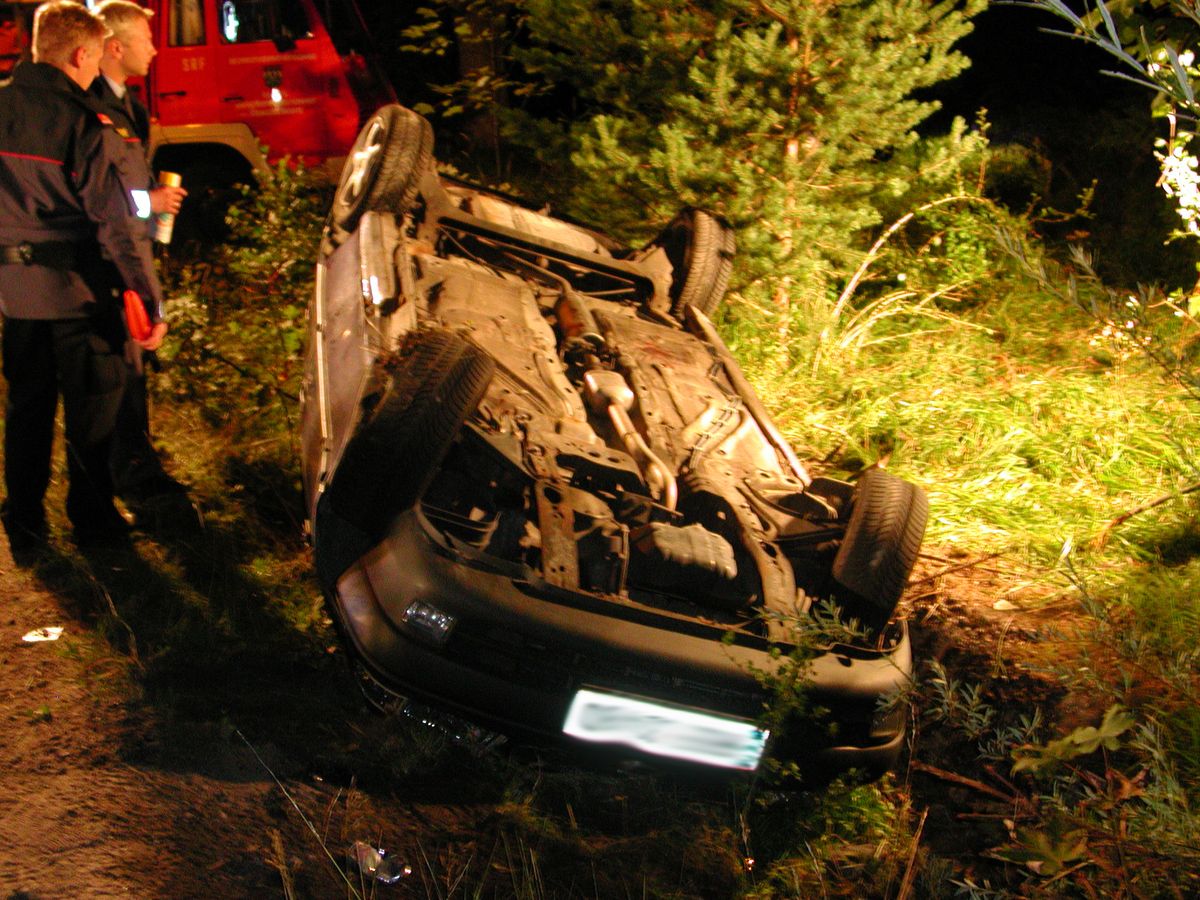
{"points": [[121, 17], [65, 202], [63, 29], [128, 51]]}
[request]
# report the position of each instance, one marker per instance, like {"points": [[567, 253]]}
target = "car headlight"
{"points": [[429, 623]]}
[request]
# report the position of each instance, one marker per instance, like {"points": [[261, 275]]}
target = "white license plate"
{"points": [[665, 730]]}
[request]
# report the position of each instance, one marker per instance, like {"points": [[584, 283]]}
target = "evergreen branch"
{"points": [[773, 13]]}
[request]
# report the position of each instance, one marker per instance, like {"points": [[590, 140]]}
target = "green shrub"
{"points": [[238, 320]]}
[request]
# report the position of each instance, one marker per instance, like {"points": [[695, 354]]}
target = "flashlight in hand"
{"points": [[166, 221]]}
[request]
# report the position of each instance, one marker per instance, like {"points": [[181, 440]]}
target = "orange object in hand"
{"points": [[137, 320]]}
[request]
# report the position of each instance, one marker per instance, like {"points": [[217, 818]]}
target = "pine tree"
{"points": [[794, 119]]}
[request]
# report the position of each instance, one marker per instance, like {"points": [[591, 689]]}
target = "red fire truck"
{"points": [[15, 26], [238, 84]]}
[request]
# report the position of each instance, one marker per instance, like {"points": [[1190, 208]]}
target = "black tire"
{"points": [[700, 247], [383, 169], [880, 547], [393, 455]]}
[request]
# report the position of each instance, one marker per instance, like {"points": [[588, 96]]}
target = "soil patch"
{"points": [[241, 762]]}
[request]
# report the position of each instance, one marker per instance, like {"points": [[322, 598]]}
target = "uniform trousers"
{"points": [[133, 456], [83, 362]]}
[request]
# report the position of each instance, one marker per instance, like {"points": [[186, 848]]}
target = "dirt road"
{"points": [[93, 801]]}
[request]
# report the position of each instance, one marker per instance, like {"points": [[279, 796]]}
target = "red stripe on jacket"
{"points": [[45, 159]]}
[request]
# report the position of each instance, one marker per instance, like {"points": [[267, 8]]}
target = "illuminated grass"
{"points": [[1022, 442]]}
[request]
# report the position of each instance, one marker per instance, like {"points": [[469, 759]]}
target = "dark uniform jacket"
{"points": [[65, 178], [131, 123]]}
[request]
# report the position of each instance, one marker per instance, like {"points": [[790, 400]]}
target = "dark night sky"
{"points": [[1048, 92], [1017, 65]]}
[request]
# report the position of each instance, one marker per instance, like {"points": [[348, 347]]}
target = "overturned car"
{"points": [[543, 497]]}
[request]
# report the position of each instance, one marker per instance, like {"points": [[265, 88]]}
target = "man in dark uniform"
{"points": [[128, 51], [64, 198]]}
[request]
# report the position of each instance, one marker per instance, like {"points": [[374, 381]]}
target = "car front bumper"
{"points": [[519, 652]]}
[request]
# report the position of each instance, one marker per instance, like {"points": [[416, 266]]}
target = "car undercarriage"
{"points": [[544, 495]]}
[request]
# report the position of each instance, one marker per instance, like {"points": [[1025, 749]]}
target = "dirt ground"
{"points": [[122, 775], [248, 773], [93, 803]]}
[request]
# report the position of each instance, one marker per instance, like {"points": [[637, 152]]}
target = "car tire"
{"points": [[383, 169], [438, 379], [882, 540], [700, 248]]}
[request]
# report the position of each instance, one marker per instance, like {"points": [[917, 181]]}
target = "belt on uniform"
{"points": [[52, 254]]}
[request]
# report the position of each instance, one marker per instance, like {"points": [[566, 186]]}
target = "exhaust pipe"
{"points": [[607, 391]]}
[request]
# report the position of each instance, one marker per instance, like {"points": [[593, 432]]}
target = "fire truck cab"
{"points": [[238, 84]]}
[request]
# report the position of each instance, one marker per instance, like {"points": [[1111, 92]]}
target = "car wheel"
{"points": [[880, 547], [383, 168], [436, 382], [700, 247]]}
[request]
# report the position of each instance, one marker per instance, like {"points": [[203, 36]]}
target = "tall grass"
{"points": [[1022, 433], [1037, 441]]}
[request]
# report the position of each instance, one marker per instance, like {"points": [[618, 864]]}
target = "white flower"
{"points": [[1180, 180]]}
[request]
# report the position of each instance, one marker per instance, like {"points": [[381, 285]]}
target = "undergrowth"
{"points": [[1042, 445], [1046, 436], [238, 312]]}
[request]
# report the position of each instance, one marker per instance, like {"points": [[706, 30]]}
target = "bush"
{"points": [[237, 322]]}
